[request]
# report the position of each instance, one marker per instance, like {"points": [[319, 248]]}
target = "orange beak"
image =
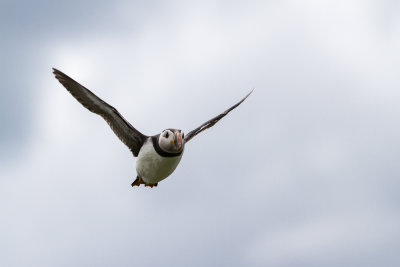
{"points": [[178, 140]]}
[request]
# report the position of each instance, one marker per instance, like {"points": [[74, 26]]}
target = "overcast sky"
{"points": [[304, 173]]}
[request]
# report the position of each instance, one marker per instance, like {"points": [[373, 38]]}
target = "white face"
{"points": [[171, 141]]}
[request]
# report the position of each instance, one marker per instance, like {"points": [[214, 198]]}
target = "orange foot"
{"points": [[137, 182], [151, 185]]}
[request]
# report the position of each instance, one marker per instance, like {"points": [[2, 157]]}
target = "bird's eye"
{"points": [[166, 135]]}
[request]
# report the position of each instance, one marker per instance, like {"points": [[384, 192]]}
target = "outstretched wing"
{"points": [[213, 121], [121, 127]]}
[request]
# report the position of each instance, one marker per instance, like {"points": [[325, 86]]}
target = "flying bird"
{"points": [[158, 155]]}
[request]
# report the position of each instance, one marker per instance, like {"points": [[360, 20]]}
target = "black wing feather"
{"points": [[121, 127], [213, 121]]}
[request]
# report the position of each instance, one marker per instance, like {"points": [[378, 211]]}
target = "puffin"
{"points": [[157, 155]]}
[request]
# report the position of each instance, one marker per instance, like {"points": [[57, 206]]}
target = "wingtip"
{"points": [[251, 91], [55, 70], [59, 74]]}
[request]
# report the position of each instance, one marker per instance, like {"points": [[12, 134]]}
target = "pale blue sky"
{"points": [[304, 173]]}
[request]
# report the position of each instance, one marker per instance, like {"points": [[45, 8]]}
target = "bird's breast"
{"points": [[152, 167]]}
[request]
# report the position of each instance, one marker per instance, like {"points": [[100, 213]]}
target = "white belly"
{"points": [[151, 167]]}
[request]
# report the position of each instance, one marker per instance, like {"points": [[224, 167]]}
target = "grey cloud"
{"points": [[304, 173]]}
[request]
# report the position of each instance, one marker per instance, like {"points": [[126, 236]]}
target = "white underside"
{"points": [[152, 167]]}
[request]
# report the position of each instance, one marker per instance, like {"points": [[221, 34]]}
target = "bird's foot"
{"points": [[137, 182], [140, 181]]}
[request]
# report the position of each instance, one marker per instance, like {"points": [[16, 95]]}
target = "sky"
{"points": [[303, 173]]}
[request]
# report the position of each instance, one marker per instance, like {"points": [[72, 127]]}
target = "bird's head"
{"points": [[171, 140]]}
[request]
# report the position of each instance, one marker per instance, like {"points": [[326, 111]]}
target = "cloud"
{"points": [[319, 241], [302, 173]]}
